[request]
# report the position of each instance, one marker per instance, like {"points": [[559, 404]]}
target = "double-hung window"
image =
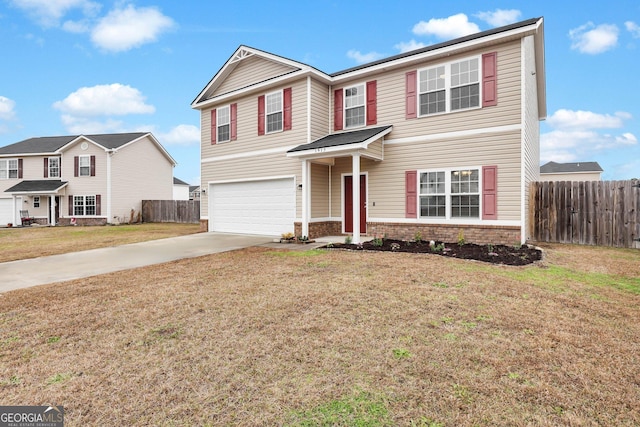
{"points": [[84, 165], [354, 106], [54, 167], [84, 205], [9, 169], [450, 193], [223, 124], [449, 87], [274, 112]]}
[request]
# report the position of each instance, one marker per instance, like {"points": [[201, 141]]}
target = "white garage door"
{"points": [[6, 206], [256, 207]]}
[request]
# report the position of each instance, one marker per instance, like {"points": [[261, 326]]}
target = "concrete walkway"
{"points": [[76, 265]]}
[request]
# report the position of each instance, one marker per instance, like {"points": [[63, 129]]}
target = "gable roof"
{"points": [[177, 181], [56, 144], [553, 167], [534, 27], [39, 186]]}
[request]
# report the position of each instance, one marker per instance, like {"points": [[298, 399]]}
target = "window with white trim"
{"points": [[36, 201], [8, 168], [450, 193], [273, 114], [223, 124], [84, 165], [54, 167], [354, 106], [449, 87], [84, 205]]}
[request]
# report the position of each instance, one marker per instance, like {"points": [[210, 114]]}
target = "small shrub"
{"points": [[287, 236], [347, 240], [377, 241], [417, 237], [461, 240]]}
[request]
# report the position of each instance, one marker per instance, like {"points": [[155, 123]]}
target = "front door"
{"points": [[56, 210], [348, 204]]}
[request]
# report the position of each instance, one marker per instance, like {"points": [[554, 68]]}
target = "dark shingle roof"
{"points": [[345, 138], [49, 144], [553, 167], [177, 181], [37, 185]]}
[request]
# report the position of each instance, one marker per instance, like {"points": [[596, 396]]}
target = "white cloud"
{"points": [[48, 13], [77, 27], [408, 46], [569, 119], [633, 28], [446, 28], [108, 100], [181, 135], [500, 17], [7, 108], [593, 40], [362, 58], [125, 29]]}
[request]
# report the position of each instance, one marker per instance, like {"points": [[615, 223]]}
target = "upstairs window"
{"points": [[84, 165], [354, 106], [449, 87], [54, 167], [274, 112], [223, 124], [9, 169]]}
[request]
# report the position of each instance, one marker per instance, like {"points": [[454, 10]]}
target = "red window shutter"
{"points": [[286, 103], [372, 107], [233, 112], [261, 115], [337, 109], [411, 93], [411, 194], [76, 166], [489, 192], [46, 167], [489, 79], [214, 130], [93, 165], [98, 204], [71, 205], [19, 168]]}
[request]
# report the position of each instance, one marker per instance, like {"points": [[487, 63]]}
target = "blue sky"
{"points": [[89, 66]]}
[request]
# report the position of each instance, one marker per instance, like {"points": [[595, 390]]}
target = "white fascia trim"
{"points": [[18, 155], [455, 134], [254, 179], [324, 219], [444, 51], [78, 139], [257, 153], [452, 222]]}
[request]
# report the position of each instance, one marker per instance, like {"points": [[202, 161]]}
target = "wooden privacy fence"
{"points": [[182, 211], [603, 213]]}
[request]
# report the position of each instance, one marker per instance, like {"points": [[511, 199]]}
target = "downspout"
{"points": [[109, 154]]}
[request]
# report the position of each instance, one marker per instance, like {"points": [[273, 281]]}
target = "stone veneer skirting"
{"points": [[83, 221]]}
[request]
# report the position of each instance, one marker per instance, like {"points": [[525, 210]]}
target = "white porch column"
{"points": [[306, 193], [356, 197], [52, 210]]}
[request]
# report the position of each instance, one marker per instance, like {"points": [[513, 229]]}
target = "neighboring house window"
{"points": [[54, 167], [450, 194], [84, 205], [354, 106], [9, 169], [449, 87], [274, 112], [223, 124], [84, 166], [36, 201]]}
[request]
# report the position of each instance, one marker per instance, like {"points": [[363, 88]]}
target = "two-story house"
{"points": [[443, 140], [83, 179]]}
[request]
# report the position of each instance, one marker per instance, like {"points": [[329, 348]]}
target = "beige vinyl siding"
{"points": [[581, 176], [319, 191], [391, 99], [139, 172], [29, 171], [250, 71], [531, 126], [320, 115], [375, 149], [84, 185]]}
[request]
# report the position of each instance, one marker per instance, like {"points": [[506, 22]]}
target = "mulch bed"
{"points": [[494, 254]]}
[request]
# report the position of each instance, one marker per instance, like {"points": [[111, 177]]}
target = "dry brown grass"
{"points": [[32, 242], [264, 337]]}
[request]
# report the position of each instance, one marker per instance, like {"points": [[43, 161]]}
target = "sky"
{"points": [[87, 66]]}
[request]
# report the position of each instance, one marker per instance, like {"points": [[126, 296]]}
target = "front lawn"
{"points": [[271, 337]]}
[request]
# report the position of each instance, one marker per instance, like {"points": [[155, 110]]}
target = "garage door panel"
{"points": [[256, 207], [6, 206]]}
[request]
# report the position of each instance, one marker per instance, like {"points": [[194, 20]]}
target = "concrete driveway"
{"points": [[76, 265]]}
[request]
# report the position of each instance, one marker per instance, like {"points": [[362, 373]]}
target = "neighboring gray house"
{"points": [[194, 192], [83, 179], [180, 189], [580, 171]]}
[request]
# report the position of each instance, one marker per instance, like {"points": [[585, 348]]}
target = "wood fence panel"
{"points": [[604, 213], [180, 211]]}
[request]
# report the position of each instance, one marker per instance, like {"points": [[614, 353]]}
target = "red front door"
{"points": [[348, 204]]}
